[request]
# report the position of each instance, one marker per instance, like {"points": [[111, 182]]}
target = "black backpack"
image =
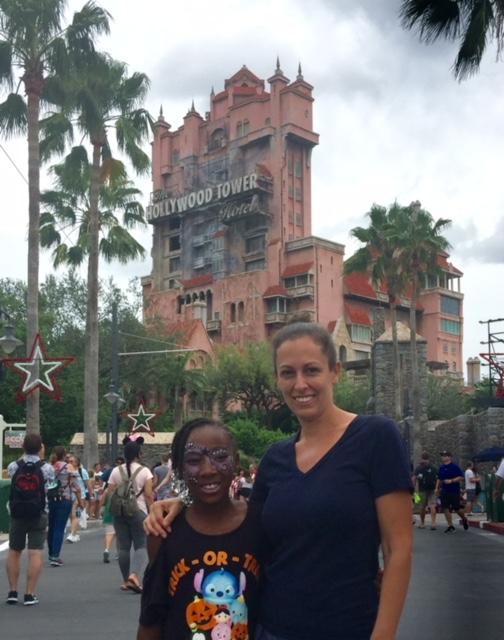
{"points": [[27, 492]]}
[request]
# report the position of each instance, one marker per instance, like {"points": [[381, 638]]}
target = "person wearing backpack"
{"points": [[60, 498], [424, 480], [30, 477], [131, 494]]}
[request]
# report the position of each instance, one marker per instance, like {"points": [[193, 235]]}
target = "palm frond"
{"points": [[112, 170], [6, 63], [13, 115], [56, 132], [49, 236], [119, 244], [132, 91], [87, 23], [432, 19], [479, 25], [57, 57]]}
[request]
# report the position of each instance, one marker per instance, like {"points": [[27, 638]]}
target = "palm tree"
{"points": [[473, 22], [377, 259], [419, 242], [35, 46], [104, 98], [66, 210]]}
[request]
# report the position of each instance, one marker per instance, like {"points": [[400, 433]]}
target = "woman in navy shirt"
{"points": [[331, 495]]}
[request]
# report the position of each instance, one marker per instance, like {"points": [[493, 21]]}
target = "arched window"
{"points": [[188, 299], [342, 354], [194, 297], [233, 312], [180, 302], [246, 127]]}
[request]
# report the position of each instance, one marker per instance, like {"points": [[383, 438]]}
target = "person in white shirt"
{"points": [[471, 482], [129, 529]]}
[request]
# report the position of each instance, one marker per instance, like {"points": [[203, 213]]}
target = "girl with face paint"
{"points": [[202, 580]]}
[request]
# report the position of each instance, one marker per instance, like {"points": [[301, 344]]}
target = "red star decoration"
{"points": [[38, 371]]}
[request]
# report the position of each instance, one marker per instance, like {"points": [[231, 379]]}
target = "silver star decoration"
{"points": [[141, 419], [38, 369]]}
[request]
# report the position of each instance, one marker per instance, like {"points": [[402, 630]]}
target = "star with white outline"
{"points": [[141, 419], [38, 369]]}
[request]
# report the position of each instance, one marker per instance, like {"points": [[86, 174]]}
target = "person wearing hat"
{"points": [[450, 476], [129, 528]]}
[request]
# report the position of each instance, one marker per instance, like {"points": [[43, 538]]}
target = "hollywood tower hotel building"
{"points": [[231, 216]]}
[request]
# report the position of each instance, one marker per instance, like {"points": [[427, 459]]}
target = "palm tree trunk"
{"points": [[415, 405], [397, 364], [32, 401], [92, 336]]}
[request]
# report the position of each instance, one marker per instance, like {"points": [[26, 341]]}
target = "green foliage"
{"points": [[244, 375], [445, 398], [482, 397], [62, 326], [352, 393], [253, 440]]}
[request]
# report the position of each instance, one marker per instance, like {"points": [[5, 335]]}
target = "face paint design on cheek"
{"points": [[220, 458]]}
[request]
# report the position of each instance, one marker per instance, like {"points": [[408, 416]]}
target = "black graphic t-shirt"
{"points": [[205, 587]]}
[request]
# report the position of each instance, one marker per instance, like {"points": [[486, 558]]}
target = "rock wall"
{"points": [[465, 435]]}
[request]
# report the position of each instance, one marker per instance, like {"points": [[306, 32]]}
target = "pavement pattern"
{"points": [[456, 593]]}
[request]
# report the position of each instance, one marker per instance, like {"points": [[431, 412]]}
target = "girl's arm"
{"points": [[148, 492], [394, 517], [161, 515], [149, 633]]}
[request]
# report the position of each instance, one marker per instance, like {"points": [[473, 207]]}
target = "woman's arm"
{"points": [[394, 517], [161, 515]]}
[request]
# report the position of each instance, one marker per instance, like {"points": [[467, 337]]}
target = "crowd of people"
{"points": [[315, 542], [446, 488]]}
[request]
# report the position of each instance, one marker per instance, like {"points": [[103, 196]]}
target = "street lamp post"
{"points": [[8, 342], [113, 397]]}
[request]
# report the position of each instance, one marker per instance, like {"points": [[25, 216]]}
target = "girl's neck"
{"points": [[216, 518]]}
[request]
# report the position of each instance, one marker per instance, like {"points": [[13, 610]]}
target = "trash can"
{"points": [[489, 489], [4, 499]]}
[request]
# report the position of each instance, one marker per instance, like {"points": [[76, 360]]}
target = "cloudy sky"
{"points": [[393, 122]]}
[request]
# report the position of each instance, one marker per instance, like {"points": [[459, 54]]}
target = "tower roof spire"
{"points": [[279, 74], [300, 73]]}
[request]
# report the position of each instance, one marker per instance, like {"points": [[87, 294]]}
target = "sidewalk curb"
{"points": [[487, 525]]}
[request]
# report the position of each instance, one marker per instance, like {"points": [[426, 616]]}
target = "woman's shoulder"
{"points": [[375, 426], [280, 448]]}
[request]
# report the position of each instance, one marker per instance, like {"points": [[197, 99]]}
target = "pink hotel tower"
{"points": [[233, 253]]}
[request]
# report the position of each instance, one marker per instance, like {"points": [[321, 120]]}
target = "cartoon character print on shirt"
{"points": [[219, 606]]}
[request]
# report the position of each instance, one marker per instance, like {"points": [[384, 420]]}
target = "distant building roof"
{"points": [[182, 329], [354, 315], [198, 281], [442, 262], [163, 437], [403, 334], [358, 284], [275, 291], [297, 269]]}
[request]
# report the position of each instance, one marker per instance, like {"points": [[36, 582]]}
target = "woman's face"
{"points": [[304, 377]]}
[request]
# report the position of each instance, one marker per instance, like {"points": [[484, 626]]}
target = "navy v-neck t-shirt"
{"points": [[322, 532]]}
